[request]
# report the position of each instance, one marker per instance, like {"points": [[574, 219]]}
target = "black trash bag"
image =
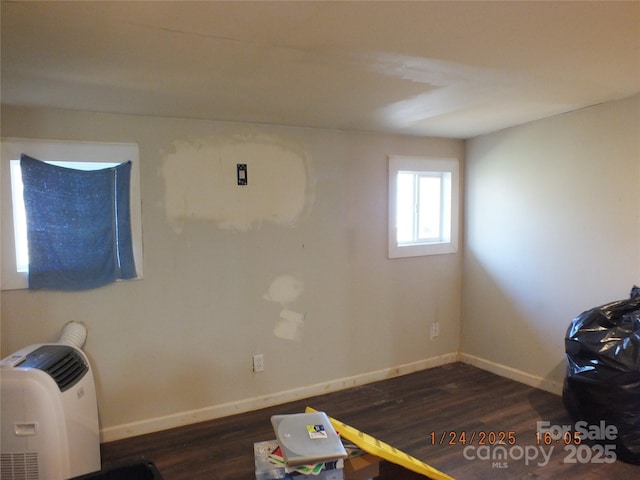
{"points": [[603, 371]]}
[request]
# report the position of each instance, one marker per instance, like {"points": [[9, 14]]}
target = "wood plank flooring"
{"points": [[412, 413]]}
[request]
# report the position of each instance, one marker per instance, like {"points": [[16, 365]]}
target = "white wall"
{"points": [[552, 229], [230, 271]]}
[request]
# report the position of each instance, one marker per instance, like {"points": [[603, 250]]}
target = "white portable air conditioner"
{"points": [[49, 414]]}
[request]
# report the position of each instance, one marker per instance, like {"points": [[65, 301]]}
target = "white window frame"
{"points": [[68, 153], [448, 170]]}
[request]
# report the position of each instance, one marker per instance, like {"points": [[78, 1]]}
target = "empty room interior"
{"points": [[268, 267]]}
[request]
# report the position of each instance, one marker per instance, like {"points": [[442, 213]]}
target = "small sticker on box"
{"points": [[316, 431]]}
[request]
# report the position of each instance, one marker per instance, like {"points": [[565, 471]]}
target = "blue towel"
{"points": [[78, 225]]}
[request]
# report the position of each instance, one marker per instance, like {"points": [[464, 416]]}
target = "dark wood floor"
{"points": [[402, 412]]}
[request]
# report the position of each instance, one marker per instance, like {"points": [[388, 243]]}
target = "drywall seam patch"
{"points": [[284, 290]]}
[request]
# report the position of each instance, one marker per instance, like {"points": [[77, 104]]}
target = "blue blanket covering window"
{"points": [[78, 225]]}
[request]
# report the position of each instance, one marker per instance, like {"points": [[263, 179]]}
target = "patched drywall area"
{"points": [[201, 182], [284, 290]]}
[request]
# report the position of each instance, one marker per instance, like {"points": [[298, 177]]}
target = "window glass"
{"points": [[429, 214], [405, 199]]}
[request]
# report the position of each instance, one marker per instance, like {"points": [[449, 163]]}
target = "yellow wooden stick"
{"points": [[380, 449]]}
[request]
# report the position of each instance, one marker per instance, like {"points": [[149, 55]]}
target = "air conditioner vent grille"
{"points": [[19, 466], [62, 362]]}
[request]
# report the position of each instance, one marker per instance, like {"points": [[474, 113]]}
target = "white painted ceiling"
{"points": [[453, 69]]}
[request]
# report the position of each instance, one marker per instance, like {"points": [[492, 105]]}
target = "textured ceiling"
{"points": [[454, 69]]}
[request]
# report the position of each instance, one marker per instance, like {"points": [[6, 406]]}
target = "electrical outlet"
{"points": [[435, 330], [258, 363]]}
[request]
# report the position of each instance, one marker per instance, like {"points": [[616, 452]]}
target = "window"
{"points": [[81, 156], [423, 206]]}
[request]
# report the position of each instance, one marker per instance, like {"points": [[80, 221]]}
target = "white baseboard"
{"points": [[512, 373], [156, 424]]}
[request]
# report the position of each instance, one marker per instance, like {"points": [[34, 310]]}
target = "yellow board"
{"points": [[375, 447]]}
